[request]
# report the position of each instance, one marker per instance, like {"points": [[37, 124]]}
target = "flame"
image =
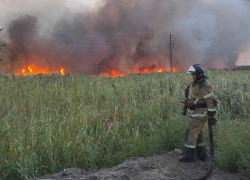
{"points": [[32, 69], [62, 71], [160, 70], [115, 73]]}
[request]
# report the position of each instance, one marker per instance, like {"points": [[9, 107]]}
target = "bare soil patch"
{"points": [[159, 167]]}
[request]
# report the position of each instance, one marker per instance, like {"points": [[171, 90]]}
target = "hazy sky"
{"points": [[11, 9]]}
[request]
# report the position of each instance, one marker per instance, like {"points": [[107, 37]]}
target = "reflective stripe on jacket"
{"points": [[201, 93]]}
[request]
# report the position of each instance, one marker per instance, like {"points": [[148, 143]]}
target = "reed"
{"points": [[49, 123]]}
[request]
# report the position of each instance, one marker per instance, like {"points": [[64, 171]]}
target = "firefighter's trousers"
{"points": [[195, 132]]}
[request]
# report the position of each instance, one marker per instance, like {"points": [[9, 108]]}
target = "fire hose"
{"points": [[211, 158]]}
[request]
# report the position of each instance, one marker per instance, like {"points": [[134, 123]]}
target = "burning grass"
{"points": [[53, 122]]}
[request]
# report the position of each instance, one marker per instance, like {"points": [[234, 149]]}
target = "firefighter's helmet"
{"points": [[196, 69]]}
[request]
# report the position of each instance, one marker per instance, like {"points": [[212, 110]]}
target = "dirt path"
{"points": [[160, 167]]}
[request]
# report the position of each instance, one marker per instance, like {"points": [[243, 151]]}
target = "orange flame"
{"points": [[160, 70], [34, 70], [114, 73], [31, 70], [62, 71]]}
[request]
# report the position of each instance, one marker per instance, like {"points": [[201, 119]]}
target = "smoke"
{"points": [[219, 31], [128, 34], [20, 31]]}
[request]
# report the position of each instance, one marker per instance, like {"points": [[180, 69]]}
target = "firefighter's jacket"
{"points": [[201, 99]]}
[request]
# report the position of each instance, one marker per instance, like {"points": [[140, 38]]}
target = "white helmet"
{"points": [[196, 69]]}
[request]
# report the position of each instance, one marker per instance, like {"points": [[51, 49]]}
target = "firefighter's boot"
{"points": [[201, 152], [187, 155]]}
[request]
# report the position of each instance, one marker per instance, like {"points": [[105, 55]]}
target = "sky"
{"points": [[11, 9]]}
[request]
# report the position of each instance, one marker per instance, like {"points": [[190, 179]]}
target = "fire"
{"points": [[62, 71], [32, 69], [160, 70], [114, 73]]}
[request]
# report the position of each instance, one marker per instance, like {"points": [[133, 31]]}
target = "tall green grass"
{"points": [[49, 123]]}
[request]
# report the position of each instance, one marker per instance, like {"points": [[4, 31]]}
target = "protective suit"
{"points": [[202, 106]]}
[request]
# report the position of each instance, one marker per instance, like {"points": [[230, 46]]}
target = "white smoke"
{"points": [[218, 30]]}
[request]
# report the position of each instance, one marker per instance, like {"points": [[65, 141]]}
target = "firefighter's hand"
{"points": [[212, 120]]}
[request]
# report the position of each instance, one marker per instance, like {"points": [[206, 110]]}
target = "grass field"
{"points": [[52, 122]]}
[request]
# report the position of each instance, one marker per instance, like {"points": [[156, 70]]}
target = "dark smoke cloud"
{"points": [[127, 34], [20, 32]]}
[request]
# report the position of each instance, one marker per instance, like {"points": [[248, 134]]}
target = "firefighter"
{"points": [[202, 107]]}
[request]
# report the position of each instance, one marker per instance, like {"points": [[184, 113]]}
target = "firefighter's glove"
{"points": [[212, 120]]}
